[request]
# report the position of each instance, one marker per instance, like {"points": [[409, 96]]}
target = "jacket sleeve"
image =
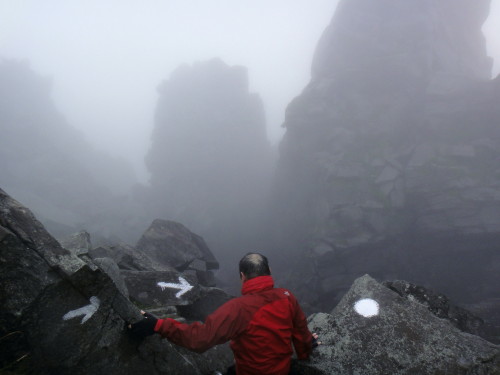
{"points": [[219, 327], [301, 336]]}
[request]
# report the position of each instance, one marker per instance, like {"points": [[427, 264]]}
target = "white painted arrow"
{"points": [[87, 311], [184, 286]]}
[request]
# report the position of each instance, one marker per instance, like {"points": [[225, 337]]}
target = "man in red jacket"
{"points": [[262, 324]]}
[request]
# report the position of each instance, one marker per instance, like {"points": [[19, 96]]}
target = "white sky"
{"points": [[106, 57]]}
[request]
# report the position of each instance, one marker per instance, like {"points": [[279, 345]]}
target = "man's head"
{"points": [[253, 265]]}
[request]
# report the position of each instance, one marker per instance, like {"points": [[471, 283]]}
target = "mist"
{"points": [[106, 59], [355, 143], [161, 86]]}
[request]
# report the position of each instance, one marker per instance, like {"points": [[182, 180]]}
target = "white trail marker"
{"points": [[184, 286], [367, 307], [87, 311]]}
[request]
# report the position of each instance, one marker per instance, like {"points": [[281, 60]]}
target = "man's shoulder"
{"points": [[283, 291]]}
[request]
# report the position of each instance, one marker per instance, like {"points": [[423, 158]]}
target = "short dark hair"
{"points": [[253, 265]]}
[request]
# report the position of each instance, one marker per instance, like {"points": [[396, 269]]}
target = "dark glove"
{"points": [[314, 342], [144, 327]]}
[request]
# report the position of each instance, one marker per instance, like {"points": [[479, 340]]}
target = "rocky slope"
{"points": [[64, 310], [389, 164]]}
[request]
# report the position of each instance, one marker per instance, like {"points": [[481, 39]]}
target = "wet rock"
{"points": [[78, 243], [443, 308], [128, 258], [206, 278], [152, 289], [110, 268], [491, 309], [171, 243], [397, 336], [391, 153], [209, 300], [60, 316]]}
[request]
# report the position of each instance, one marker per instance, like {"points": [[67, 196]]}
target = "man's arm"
{"points": [[219, 327], [301, 336]]}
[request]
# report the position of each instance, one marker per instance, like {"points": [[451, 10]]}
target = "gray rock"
{"points": [[78, 243], [59, 316], [152, 289], [172, 244], [490, 308], [403, 337], [128, 258], [210, 299], [394, 140], [198, 265], [442, 307], [206, 278], [110, 268]]}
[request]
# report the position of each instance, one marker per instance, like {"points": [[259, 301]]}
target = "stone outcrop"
{"points": [[78, 243], [441, 306], [391, 151], [210, 299], [398, 336], [63, 314], [168, 242], [128, 258]]}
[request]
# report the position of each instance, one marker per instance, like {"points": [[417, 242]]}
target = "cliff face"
{"points": [[395, 138]]}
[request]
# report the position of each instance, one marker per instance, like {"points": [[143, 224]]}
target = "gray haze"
{"points": [[388, 166], [106, 58]]}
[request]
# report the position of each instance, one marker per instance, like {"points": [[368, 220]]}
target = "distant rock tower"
{"points": [[393, 126], [209, 159]]}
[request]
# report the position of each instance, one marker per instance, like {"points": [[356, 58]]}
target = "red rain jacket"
{"points": [[261, 324]]}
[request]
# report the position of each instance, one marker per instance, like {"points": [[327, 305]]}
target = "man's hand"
{"points": [[144, 327], [315, 341]]}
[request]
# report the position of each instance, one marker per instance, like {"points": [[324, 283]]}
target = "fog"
{"points": [[113, 73], [106, 59]]}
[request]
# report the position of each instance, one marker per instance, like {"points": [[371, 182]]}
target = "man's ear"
{"points": [[243, 278]]}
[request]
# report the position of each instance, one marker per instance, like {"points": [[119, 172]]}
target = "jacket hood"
{"points": [[257, 284]]}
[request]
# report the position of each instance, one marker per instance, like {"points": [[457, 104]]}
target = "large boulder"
{"points": [[128, 258], [171, 243], [78, 243], [152, 289], [209, 300], [393, 335], [441, 306], [62, 315]]}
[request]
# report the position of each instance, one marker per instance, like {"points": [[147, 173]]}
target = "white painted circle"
{"points": [[366, 307]]}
